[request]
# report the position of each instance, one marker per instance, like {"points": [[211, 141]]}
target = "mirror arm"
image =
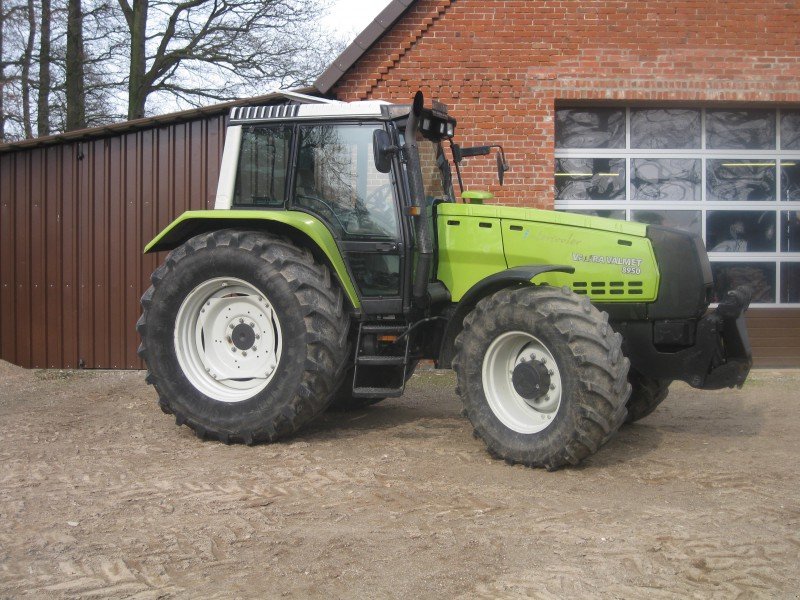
{"points": [[456, 150]]}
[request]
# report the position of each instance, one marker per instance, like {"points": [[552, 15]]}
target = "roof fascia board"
{"points": [[361, 44]]}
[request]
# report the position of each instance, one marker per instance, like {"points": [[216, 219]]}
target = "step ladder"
{"points": [[387, 365]]}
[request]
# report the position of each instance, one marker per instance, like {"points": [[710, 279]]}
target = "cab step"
{"points": [[378, 392], [381, 360]]}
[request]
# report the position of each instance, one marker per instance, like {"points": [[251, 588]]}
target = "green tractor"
{"points": [[337, 258]]}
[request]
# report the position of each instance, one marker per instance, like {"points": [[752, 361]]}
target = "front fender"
{"points": [[292, 223], [516, 277]]}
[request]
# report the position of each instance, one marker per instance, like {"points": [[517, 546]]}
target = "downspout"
{"points": [[422, 227]]}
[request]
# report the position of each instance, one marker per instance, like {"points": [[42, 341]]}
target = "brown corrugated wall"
{"points": [[74, 218]]}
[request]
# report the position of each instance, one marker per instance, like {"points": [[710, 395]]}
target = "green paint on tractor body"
{"points": [[197, 221], [613, 260]]}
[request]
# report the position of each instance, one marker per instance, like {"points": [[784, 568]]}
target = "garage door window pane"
{"points": [[759, 276], [790, 179], [740, 129], [686, 220], [790, 130], [740, 179], [665, 179], [590, 179], [740, 231], [590, 128], [790, 282], [662, 128], [607, 214], [790, 228]]}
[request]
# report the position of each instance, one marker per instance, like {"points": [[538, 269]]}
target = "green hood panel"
{"points": [[613, 260], [194, 222], [516, 213]]}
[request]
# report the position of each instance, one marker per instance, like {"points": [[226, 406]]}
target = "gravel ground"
{"points": [[102, 496]]}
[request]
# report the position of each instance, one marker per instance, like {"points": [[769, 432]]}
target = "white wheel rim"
{"points": [[515, 412], [221, 365]]}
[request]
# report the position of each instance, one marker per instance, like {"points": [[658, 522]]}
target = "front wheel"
{"points": [[646, 395], [244, 336], [541, 375]]}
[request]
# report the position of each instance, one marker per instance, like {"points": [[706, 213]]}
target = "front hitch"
{"points": [[720, 356]]}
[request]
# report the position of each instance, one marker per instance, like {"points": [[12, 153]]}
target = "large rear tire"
{"points": [[646, 394], [541, 375], [244, 336]]}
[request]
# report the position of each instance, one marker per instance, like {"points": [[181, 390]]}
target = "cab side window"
{"points": [[337, 180], [263, 164]]}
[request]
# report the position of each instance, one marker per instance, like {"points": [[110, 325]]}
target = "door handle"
{"points": [[386, 247]]}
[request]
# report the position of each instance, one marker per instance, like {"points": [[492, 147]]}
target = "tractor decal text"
{"points": [[630, 266]]}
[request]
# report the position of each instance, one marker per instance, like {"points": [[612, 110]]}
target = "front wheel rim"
{"points": [[506, 353], [227, 339]]}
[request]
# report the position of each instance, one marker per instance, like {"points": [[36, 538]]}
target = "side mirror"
{"points": [[502, 167], [382, 150]]}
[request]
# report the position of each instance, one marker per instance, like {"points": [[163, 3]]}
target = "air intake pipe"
{"points": [[419, 209]]}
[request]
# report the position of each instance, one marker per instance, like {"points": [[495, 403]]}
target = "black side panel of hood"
{"points": [[686, 276]]}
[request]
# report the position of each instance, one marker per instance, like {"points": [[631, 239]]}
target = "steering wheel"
{"points": [[380, 208]]}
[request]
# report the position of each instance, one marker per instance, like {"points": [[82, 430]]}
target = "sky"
{"points": [[350, 17]]}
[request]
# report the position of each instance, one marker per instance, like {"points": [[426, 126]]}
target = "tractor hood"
{"points": [[542, 216]]}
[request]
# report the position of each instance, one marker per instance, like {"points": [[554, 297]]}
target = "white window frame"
{"points": [[703, 206]]}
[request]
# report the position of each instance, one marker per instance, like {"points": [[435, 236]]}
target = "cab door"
{"points": [[336, 180]]}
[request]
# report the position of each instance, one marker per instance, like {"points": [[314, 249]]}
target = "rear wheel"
{"points": [[646, 394], [541, 375], [244, 336]]}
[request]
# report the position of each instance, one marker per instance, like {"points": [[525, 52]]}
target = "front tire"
{"points": [[646, 395], [244, 336], [541, 375]]}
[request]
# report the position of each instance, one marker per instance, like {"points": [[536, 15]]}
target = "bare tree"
{"points": [[25, 78], [198, 50], [69, 64], [2, 72], [75, 59], [43, 98]]}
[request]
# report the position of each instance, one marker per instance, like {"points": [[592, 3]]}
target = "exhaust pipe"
{"points": [[422, 227]]}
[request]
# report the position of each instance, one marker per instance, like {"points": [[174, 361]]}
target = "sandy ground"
{"points": [[102, 496]]}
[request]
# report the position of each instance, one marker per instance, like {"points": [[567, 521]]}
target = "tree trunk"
{"points": [[2, 76], [76, 94], [27, 59], [43, 100], [137, 86]]}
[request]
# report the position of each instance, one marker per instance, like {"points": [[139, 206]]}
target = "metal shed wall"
{"points": [[74, 217]]}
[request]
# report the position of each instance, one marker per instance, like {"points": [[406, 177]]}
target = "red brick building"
{"points": [[680, 112]]}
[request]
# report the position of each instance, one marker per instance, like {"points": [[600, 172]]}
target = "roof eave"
{"points": [[155, 121], [361, 44]]}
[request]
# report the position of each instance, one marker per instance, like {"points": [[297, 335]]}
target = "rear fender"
{"points": [[303, 228], [510, 278]]}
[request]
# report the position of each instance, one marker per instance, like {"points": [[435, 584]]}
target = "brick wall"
{"points": [[503, 65]]}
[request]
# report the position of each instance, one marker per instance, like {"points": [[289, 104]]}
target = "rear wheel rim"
{"points": [[227, 339], [505, 353]]}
